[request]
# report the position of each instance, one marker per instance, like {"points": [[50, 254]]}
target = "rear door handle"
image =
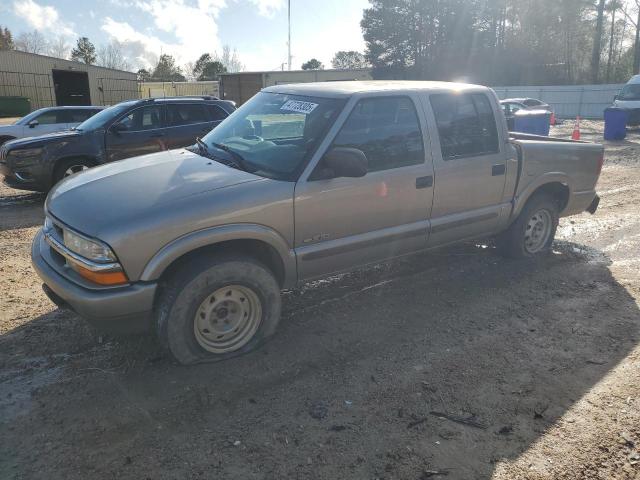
{"points": [[497, 170], [424, 182]]}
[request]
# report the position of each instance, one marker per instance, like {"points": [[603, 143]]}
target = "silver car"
{"points": [[46, 120]]}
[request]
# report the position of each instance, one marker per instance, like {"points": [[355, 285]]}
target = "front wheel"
{"points": [[217, 308], [532, 233], [70, 167]]}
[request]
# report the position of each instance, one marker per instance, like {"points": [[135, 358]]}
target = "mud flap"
{"points": [[594, 205]]}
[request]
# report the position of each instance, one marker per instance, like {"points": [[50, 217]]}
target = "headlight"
{"points": [[26, 152], [90, 249]]}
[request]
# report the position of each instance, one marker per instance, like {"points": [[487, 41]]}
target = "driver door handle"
{"points": [[424, 182]]}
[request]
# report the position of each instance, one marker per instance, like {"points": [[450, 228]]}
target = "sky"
{"points": [[188, 28]]}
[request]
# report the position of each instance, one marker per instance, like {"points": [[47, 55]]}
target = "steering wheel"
{"points": [[253, 137]]}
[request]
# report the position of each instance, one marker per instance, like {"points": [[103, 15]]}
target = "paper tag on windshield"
{"points": [[298, 106]]}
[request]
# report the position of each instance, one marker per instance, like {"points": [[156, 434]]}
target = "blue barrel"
{"points": [[534, 122], [615, 123]]}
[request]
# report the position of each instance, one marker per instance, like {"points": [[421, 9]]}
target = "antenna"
{"points": [[289, 41]]}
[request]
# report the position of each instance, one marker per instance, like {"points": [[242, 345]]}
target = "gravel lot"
{"points": [[455, 364]]}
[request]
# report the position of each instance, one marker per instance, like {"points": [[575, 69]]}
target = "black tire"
{"points": [[61, 168], [513, 242], [186, 291]]}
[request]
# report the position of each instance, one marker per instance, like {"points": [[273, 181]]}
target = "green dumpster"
{"points": [[14, 106]]}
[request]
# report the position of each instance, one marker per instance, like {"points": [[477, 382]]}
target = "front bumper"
{"points": [[126, 309], [22, 182]]}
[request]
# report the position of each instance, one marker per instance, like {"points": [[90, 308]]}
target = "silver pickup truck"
{"points": [[301, 182]]}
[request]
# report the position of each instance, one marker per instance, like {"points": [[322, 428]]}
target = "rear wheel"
{"points": [[533, 231], [217, 308], [70, 167]]}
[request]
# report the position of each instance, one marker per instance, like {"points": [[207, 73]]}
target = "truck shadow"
{"points": [[500, 350]]}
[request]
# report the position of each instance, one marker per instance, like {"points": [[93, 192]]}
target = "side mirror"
{"points": [[119, 127], [345, 162], [615, 97], [33, 123]]}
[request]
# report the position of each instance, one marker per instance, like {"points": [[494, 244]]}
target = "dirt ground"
{"points": [[455, 364]]}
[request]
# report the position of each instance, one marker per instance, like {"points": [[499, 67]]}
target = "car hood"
{"points": [[28, 142], [627, 103], [106, 198]]}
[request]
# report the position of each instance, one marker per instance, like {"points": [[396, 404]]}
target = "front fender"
{"points": [[211, 236]]}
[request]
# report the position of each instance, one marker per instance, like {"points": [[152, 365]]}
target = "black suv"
{"points": [[128, 129]]}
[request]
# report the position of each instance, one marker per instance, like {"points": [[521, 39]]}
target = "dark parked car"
{"points": [[128, 129]]}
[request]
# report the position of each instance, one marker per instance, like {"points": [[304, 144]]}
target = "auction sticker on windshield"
{"points": [[298, 106]]}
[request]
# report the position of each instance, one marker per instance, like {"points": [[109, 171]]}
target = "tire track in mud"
{"points": [[24, 199]]}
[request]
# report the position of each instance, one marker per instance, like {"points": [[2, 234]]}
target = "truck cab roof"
{"points": [[344, 89]]}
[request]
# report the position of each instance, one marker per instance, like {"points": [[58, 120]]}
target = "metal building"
{"points": [[178, 89], [49, 81], [241, 86]]}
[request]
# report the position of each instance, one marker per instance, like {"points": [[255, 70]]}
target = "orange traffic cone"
{"points": [[576, 130], [552, 121]]}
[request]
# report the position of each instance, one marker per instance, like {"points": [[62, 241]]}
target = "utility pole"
{"points": [[289, 41], [595, 56]]}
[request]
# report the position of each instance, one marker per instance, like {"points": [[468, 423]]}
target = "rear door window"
{"points": [[387, 130], [186, 114], [77, 115], [466, 125], [216, 113]]}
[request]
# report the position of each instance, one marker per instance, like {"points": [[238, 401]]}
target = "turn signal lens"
{"points": [[101, 278]]}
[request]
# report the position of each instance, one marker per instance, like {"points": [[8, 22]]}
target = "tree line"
{"points": [[504, 42], [494, 42]]}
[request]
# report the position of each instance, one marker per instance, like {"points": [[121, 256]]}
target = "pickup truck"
{"points": [[301, 182]]}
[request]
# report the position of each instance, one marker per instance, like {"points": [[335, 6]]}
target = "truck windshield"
{"points": [[100, 119], [630, 92], [274, 133]]}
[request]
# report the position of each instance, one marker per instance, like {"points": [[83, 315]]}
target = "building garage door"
{"points": [[241, 87], [72, 88]]}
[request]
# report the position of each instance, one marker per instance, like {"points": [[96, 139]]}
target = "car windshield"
{"points": [[630, 92], [101, 118], [274, 134]]}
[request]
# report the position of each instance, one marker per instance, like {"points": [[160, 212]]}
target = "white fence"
{"points": [[568, 101]]}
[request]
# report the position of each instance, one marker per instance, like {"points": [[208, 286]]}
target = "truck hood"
{"points": [[108, 197]]}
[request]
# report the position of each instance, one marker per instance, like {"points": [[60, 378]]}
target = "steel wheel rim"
{"points": [[227, 319], [75, 169], [537, 231]]}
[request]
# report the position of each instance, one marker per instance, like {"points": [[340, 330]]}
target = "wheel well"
{"points": [[75, 157], [556, 190], [257, 249]]}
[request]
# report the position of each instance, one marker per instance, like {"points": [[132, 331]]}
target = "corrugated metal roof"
{"points": [[46, 58]]}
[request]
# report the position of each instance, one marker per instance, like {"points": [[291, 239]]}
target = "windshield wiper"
{"points": [[239, 161], [204, 150]]}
